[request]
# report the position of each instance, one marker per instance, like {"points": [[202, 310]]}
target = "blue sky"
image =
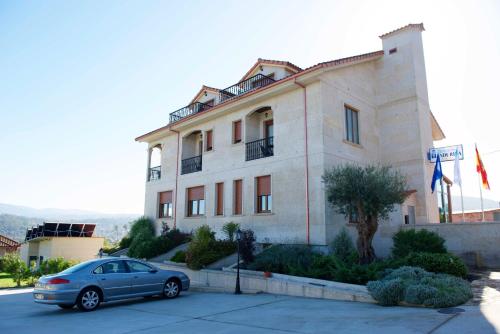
{"points": [[82, 79]]}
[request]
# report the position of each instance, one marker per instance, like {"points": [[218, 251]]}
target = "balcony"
{"points": [[245, 86], [191, 165], [189, 110], [259, 149], [154, 173]]}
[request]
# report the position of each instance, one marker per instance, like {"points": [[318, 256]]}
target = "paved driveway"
{"points": [[197, 312]]}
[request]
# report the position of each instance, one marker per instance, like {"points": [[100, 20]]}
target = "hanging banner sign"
{"points": [[446, 153]]}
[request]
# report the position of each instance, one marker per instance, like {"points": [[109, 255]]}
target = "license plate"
{"points": [[40, 286], [39, 296]]}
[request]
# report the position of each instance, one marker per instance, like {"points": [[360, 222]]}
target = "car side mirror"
{"points": [[152, 271]]}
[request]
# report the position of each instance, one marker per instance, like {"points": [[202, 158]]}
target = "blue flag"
{"points": [[438, 173]]}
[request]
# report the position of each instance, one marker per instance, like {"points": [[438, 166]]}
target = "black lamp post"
{"points": [[237, 290]]}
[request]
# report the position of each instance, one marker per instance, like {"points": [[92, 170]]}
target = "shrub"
{"points": [[15, 266], [280, 258], [179, 257], [125, 242], [230, 229], [54, 265], [343, 247], [407, 241], [204, 249], [247, 246], [414, 285], [143, 226], [438, 263]]}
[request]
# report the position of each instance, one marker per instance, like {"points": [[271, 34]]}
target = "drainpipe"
{"points": [[306, 160], [176, 176]]}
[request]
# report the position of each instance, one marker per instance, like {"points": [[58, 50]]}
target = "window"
{"points": [[210, 102], [264, 198], [219, 199], [113, 267], [237, 132], [165, 210], [209, 140], [237, 197], [196, 201], [137, 267], [351, 125]]}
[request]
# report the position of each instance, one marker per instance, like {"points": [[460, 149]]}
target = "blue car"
{"points": [[89, 283]]}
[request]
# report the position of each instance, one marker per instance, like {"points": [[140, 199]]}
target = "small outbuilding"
{"points": [[70, 241], [8, 245]]}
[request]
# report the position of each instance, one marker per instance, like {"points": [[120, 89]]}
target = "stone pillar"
{"points": [[150, 151]]}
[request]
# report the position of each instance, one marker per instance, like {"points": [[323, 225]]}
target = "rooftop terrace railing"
{"points": [[245, 86], [240, 88], [189, 110]]}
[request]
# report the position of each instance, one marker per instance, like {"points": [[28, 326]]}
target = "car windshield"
{"points": [[76, 268]]}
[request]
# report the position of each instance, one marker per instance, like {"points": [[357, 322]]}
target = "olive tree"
{"points": [[367, 194]]}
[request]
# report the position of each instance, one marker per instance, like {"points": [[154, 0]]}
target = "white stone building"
{"points": [[254, 153]]}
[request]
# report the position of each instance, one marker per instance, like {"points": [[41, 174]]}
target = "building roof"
{"points": [[202, 90], [416, 26], [333, 63], [294, 68], [7, 242]]}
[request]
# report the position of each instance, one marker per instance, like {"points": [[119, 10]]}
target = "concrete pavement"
{"points": [[196, 312]]}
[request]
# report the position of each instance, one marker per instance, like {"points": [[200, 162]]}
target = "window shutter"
{"points": [[237, 132], [264, 185], [220, 199], [238, 197], [166, 197], [196, 193]]}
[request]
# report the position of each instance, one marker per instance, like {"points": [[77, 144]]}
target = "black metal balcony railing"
{"points": [[244, 86], [258, 149], [191, 165], [154, 173], [189, 110]]}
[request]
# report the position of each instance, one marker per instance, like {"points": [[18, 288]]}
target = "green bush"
{"points": [[55, 265], [414, 285], [230, 229], [15, 266], [300, 260], [125, 242], [343, 247], [438, 263], [179, 257], [204, 249], [247, 246], [142, 225], [408, 241]]}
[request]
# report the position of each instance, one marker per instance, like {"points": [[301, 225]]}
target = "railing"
{"points": [[154, 173], [244, 86], [189, 110], [191, 165], [258, 149]]}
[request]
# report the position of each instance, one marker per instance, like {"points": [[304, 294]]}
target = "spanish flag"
{"points": [[480, 169]]}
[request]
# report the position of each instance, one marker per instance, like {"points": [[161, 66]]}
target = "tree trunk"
{"points": [[367, 226]]}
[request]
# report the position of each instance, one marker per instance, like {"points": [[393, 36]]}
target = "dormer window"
{"points": [[210, 102]]}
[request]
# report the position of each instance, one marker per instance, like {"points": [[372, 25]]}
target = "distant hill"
{"points": [[55, 214], [473, 203], [14, 220]]}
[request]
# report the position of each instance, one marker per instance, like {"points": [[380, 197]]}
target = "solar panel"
{"points": [[49, 229], [76, 230], [63, 230], [60, 230], [88, 230]]}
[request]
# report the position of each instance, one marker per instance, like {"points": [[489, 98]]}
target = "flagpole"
{"points": [[442, 199], [462, 199], [480, 183]]}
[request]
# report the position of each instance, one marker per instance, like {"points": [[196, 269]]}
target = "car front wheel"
{"points": [[171, 289], [89, 300]]}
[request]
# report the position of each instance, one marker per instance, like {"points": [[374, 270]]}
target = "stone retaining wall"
{"points": [[255, 282]]}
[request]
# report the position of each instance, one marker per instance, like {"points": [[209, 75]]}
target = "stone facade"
{"points": [[388, 91]]}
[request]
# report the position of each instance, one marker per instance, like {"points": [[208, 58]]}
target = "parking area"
{"points": [[197, 312]]}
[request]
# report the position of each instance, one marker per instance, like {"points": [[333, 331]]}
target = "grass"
{"points": [[6, 281]]}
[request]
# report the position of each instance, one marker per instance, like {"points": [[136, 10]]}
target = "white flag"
{"points": [[457, 179]]}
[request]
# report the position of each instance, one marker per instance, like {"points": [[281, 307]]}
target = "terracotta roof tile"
{"points": [[261, 61], [419, 26]]}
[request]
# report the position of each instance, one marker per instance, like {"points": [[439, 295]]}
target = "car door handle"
{"points": [[136, 276], [103, 279]]}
